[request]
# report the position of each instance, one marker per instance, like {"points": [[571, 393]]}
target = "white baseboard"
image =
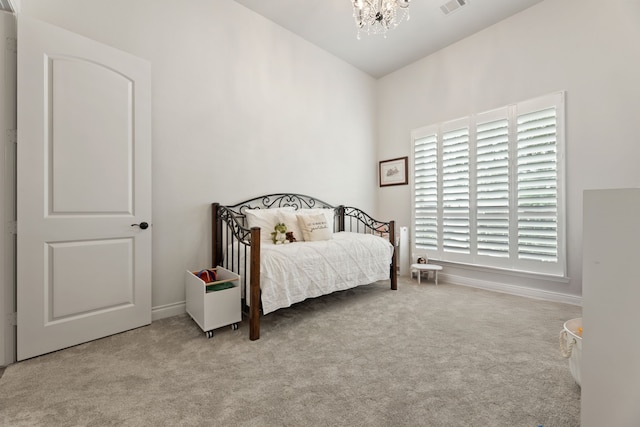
{"points": [[511, 289], [177, 308], [168, 310]]}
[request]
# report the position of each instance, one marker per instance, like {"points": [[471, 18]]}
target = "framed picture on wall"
{"points": [[394, 172]]}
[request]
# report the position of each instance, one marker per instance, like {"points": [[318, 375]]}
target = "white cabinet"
{"points": [[211, 310], [610, 308]]}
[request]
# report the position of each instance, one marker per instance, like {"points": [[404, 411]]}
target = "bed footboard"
{"points": [[232, 240], [356, 220], [228, 230]]}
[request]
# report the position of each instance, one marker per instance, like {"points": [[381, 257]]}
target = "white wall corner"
{"points": [[15, 5]]}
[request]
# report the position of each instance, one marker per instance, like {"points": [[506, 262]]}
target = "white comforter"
{"points": [[296, 271]]}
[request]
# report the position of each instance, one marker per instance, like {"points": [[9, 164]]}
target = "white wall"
{"points": [[241, 107], [589, 48]]}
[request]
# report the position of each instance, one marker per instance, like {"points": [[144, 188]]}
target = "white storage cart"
{"points": [[211, 310]]}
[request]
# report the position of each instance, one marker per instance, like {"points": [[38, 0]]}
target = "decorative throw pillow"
{"points": [[328, 213], [290, 219], [314, 227], [266, 219]]}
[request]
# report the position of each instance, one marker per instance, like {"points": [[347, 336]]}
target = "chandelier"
{"points": [[379, 16]]}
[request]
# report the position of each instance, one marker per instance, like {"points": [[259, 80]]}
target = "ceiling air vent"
{"points": [[452, 6]]}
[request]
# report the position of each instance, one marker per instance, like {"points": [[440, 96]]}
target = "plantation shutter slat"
{"points": [[426, 192], [492, 188], [537, 180], [455, 191]]}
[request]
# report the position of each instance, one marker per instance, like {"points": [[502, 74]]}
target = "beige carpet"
{"points": [[420, 356]]}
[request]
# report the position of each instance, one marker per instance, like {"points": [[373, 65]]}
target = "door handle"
{"points": [[142, 225]]}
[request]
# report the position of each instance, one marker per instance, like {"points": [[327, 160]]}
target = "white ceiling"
{"points": [[329, 24]]}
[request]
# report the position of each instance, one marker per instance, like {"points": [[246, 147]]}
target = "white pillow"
{"points": [[266, 219], [315, 227], [328, 213], [290, 219]]}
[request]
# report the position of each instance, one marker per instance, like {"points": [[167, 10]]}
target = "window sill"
{"points": [[503, 271]]}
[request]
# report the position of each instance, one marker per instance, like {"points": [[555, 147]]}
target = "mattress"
{"points": [[290, 273]]}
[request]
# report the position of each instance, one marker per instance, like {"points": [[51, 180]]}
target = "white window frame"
{"points": [[511, 262]]}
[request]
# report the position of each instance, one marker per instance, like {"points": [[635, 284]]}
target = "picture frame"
{"points": [[394, 172]]}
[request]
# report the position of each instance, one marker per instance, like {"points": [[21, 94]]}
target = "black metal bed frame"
{"points": [[230, 229]]}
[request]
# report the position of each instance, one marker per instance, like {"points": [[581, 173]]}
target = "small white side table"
{"points": [[419, 268]]}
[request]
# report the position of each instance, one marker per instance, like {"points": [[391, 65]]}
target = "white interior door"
{"points": [[84, 177]]}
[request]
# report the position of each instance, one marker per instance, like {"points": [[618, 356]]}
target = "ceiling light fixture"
{"points": [[379, 16]]}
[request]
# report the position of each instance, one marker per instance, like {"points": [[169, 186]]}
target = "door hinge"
{"points": [[11, 44], [12, 136], [12, 319], [12, 227]]}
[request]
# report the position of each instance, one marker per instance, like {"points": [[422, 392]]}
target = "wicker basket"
{"points": [[571, 346]]}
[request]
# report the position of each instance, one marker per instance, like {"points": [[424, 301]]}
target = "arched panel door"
{"points": [[84, 182]]}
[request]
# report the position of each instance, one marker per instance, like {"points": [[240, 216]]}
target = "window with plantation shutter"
{"points": [[488, 189]]}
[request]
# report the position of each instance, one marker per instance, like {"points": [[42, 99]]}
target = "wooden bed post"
{"points": [[254, 286], [215, 229], [394, 258]]}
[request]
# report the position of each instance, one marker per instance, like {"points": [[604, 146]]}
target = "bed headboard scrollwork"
{"points": [[280, 200]]}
